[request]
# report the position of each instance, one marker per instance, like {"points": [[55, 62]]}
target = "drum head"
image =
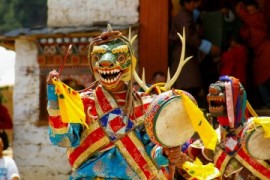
{"points": [[257, 145], [172, 124]]}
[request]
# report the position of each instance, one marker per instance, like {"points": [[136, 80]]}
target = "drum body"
{"points": [[167, 122], [254, 141]]}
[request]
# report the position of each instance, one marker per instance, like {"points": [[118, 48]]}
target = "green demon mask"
{"points": [[111, 59]]}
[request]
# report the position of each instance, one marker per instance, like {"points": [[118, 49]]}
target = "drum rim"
{"points": [[247, 140], [157, 114]]}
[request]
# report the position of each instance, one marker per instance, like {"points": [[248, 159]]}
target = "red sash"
{"points": [[257, 167], [110, 130]]}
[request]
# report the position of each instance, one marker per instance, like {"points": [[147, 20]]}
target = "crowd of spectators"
{"points": [[243, 50]]}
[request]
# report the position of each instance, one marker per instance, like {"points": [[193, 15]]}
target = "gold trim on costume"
{"points": [[130, 160], [91, 149], [252, 169], [139, 120], [152, 167], [141, 148], [92, 127], [98, 109], [225, 161], [60, 130], [53, 112], [109, 98], [65, 142]]}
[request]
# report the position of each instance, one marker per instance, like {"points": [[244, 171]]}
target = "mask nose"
{"points": [[214, 90], [107, 60], [105, 63]]}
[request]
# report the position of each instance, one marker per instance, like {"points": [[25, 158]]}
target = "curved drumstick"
{"points": [[65, 59]]}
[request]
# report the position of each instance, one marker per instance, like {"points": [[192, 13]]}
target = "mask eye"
{"points": [[121, 58]]}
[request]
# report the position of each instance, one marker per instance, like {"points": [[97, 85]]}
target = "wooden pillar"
{"points": [[153, 36]]}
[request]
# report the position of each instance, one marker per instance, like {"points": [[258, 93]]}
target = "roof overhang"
{"points": [[7, 40]]}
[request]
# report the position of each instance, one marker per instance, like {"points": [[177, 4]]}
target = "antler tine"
{"points": [[143, 75], [129, 33], [131, 39], [141, 82], [135, 75], [182, 61], [109, 27], [168, 75]]}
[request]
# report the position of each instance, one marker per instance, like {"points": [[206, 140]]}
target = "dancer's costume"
{"points": [[228, 102], [103, 130], [113, 146]]}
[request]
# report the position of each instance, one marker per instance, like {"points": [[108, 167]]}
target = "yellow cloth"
{"points": [[199, 171], [70, 104], [207, 134], [265, 123]]}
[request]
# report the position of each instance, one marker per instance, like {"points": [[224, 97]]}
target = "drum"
{"points": [[167, 122], [254, 142]]}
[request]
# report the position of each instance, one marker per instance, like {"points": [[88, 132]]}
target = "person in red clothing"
{"points": [[255, 33], [5, 119], [5, 122], [233, 62]]}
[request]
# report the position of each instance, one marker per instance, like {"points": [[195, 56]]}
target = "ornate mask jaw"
{"points": [[217, 100]]}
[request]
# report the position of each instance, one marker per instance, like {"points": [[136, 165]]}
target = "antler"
{"points": [[168, 75], [131, 39], [141, 82], [169, 82], [182, 61]]}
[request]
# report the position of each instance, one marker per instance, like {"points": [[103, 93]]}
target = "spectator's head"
{"points": [[198, 4], [189, 5], [158, 76], [136, 86], [235, 39], [252, 6], [261, 3], [4, 144]]}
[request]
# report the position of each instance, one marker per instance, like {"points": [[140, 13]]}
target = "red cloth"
{"points": [[261, 64], [234, 63], [255, 32], [255, 29], [5, 119]]}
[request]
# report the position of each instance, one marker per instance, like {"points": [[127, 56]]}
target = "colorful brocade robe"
{"points": [[231, 158], [114, 146]]}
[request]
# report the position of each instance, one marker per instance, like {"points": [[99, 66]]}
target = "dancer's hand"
{"points": [[182, 159], [173, 154], [52, 74]]}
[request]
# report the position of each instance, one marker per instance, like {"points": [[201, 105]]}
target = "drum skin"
{"points": [[167, 122], [254, 141]]}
